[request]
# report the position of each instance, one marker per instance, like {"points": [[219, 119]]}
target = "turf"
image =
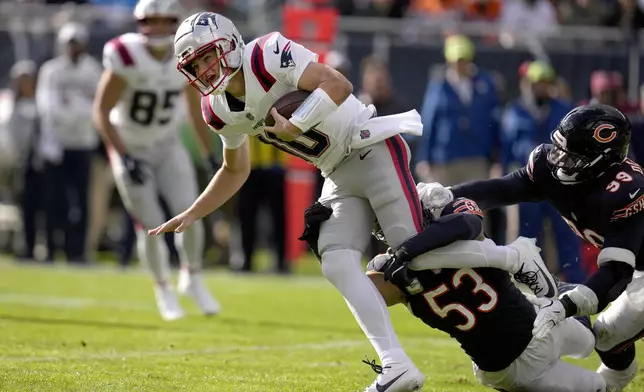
{"points": [[98, 330]]}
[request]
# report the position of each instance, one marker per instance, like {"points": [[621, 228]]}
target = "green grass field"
{"points": [[98, 330]]}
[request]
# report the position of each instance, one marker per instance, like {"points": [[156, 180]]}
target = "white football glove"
{"points": [[434, 196], [551, 312]]}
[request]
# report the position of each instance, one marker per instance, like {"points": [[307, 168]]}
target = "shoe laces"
{"points": [[374, 366], [530, 279]]}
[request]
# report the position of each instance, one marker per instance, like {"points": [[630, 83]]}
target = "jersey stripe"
{"points": [[209, 115], [259, 66], [123, 52], [398, 151]]}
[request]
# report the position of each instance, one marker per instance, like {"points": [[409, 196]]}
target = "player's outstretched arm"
{"points": [[511, 189], [108, 93], [229, 178]]}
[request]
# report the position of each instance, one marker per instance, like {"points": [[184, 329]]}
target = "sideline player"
{"points": [[363, 157], [479, 307], [137, 113], [585, 174]]}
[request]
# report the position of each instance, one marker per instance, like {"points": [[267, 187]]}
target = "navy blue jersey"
{"points": [[481, 308], [606, 212]]}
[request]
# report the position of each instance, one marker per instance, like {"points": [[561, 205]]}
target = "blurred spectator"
{"points": [[482, 10], [24, 127], [264, 187], [585, 12], [607, 87], [66, 88], [377, 89], [629, 14], [528, 122], [387, 8], [460, 118]]}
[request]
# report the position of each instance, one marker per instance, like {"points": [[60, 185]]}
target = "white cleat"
{"points": [[193, 286], [616, 380], [168, 303], [398, 378], [531, 270]]}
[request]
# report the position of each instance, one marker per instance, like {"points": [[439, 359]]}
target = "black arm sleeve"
{"points": [[513, 188], [442, 232]]}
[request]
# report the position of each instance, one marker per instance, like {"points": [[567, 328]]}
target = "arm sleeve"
{"points": [[230, 141], [442, 232], [516, 187], [283, 59]]}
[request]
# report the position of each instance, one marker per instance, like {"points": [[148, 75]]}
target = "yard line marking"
{"points": [[342, 344]]}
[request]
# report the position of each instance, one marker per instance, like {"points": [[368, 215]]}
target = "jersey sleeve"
{"points": [[463, 205], [230, 140], [117, 57], [276, 58], [625, 230]]}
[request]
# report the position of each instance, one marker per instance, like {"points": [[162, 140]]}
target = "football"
{"points": [[286, 105]]}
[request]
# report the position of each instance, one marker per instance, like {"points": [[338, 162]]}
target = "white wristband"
{"points": [[313, 110]]}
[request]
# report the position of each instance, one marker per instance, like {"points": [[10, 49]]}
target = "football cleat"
{"points": [[193, 286], [396, 377], [616, 380], [532, 271], [168, 303]]}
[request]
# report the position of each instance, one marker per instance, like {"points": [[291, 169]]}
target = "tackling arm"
{"points": [[513, 188]]}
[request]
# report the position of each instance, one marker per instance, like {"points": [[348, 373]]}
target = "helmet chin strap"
{"points": [[567, 179]]}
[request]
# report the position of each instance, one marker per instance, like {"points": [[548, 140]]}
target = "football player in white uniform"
{"points": [[363, 157], [136, 111]]}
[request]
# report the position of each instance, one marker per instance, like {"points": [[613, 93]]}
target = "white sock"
{"points": [[344, 270], [154, 255], [190, 245], [469, 254]]}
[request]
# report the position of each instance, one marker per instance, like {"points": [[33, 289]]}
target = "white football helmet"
{"points": [[204, 33], [170, 9]]}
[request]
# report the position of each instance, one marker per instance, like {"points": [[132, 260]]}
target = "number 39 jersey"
{"points": [[272, 67], [148, 110]]}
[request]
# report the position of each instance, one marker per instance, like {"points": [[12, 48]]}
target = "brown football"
{"points": [[286, 105]]}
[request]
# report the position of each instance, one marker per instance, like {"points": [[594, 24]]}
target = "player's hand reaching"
{"points": [[177, 224], [283, 129], [551, 312]]}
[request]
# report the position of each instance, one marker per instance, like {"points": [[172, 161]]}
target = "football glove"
{"points": [[314, 215], [134, 169], [551, 312], [434, 196], [396, 271]]}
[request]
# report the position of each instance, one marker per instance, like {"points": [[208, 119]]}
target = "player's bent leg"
{"points": [[469, 254], [178, 185], [532, 271], [342, 240], [574, 339], [565, 377]]}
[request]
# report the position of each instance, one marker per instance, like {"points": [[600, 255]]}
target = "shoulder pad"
{"points": [[462, 205], [262, 58], [625, 195]]}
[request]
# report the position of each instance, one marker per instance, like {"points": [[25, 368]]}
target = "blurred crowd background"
{"points": [[491, 79]]}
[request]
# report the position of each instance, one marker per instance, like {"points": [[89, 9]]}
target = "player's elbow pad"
{"points": [[474, 227]]}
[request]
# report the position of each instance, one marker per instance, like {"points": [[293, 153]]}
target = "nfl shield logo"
{"points": [[365, 134]]}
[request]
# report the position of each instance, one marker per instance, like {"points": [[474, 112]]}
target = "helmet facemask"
{"points": [[203, 79], [570, 167]]}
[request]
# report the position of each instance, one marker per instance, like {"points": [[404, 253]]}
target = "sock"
{"points": [[469, 254], [344, 270], [190, 246], [154, 255]]}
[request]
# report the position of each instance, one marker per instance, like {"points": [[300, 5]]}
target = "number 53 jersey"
{"points": [[272, 67], [147, 112]]}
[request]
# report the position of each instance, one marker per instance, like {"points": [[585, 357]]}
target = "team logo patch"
{"points": [[605, 137], [286, 61], [365, 134]]}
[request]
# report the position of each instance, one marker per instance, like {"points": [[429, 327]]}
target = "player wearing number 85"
{"points": [[586, 176], [363, 157], [137, 114]]}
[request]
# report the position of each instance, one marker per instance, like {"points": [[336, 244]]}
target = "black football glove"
{"points": [[396, 271], [314, 215], [133, 167], [212, 165]]}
